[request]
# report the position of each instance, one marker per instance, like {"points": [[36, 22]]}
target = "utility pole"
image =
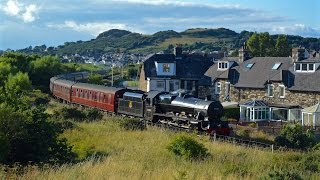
{"points": [[111, 72]]}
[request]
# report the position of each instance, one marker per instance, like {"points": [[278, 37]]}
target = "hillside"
{"points": [[202, 39]]}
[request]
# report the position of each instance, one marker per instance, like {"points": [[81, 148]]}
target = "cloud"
{"points": [[12, 8], [174, 3], [93, 28], [300, 29], [27, 13]]}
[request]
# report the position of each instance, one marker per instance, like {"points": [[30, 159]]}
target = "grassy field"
{"points": [[105, 151]]}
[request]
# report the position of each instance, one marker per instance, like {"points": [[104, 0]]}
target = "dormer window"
{"points": [[223, 65], [304, 67]]}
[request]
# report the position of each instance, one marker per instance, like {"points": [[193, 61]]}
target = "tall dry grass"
{"points": [[108, 152]]}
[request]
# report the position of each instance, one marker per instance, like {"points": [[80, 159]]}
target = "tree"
{"points": [[264, 44], [16, 87], [43, 69], [5, 70], [282, 47], [18, 60], [95, 79], [254, 45]]}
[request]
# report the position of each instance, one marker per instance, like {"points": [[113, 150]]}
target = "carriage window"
{"points": [[90, 96], [109, 99], [104, 98]]}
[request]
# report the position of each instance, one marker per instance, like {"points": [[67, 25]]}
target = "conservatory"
{"points": [[255, 110], [311, 116]]}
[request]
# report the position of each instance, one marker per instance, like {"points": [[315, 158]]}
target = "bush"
{"points": [[132, 124], [292, 136], [70, 113], [94, 114], [187, 148], [282, 175], [32, 137], [232, 113]]}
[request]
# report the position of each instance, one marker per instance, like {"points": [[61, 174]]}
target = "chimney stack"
{"points": [[298, 54], [178, 51], [244, 53]]}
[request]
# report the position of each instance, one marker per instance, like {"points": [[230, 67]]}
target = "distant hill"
{"points": [[202, 39]]}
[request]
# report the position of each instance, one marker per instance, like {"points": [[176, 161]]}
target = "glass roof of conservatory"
{"points": [[255, 103]]}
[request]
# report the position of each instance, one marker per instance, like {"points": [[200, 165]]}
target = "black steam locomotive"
{"points": [[176, 110]]}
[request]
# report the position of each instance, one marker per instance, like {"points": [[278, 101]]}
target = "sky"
{"points": [[25, 23]]}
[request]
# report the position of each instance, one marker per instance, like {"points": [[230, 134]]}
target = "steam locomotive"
{"points": [[159, 107]]}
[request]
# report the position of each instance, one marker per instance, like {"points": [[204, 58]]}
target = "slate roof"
{"points": [[187, 67], [300, 81], [261, 72]]}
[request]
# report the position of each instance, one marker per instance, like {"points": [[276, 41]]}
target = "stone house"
{"points": [[172, 72], [284, 84]]}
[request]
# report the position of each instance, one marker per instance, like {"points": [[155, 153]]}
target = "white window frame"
{"points": [[300, 67], [268, 91], [217, 85], [223, 65], [284, 91]]}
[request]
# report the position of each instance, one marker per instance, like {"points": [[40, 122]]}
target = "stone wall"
{"points": [[241, 95]]}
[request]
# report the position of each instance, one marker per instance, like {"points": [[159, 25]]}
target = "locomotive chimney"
{"points": [[178, 51]]}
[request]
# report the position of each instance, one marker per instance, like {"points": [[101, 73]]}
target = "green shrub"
{"points": [[187, 148], [70, 113], [232, 113], [64, 124], [292, 136], [132, 124], [282, 175], [94, 114]]}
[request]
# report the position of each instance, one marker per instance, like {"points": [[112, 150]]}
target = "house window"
{"points": [[171, 86], [227, 88], [189, 85], [217, 87], [304, 67], [311, 67], [223, 65], [276, 66], [282, 91], [270, 90], [166, 67], [249, 66], [160, 84]]}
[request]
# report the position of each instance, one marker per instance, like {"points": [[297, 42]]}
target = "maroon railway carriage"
{"points": [[62, 89], [101, 97]]}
